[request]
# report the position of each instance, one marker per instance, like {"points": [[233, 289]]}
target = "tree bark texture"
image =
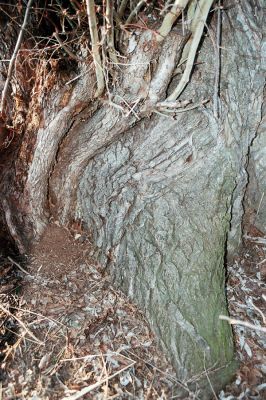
{"points": [[255, 197], [162, 196]]}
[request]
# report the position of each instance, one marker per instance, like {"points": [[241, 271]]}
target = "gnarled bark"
{"points": [[160, 195]]}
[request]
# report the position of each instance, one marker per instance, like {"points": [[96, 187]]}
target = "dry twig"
{"points": [[233, 321], [197, 28], [18, 265], [90, 388], [20, 323], [110, 30], [95, 46], [170, 18], [135, 11], [14, 56]]}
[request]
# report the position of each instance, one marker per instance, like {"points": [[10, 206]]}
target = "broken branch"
{"points": [[13, 58], [95, 47], [233, 321], [170, 18], [197, 30]]}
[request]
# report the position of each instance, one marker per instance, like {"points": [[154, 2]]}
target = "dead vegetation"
{"points": [[69, 334], [246, 293], [96, 33], [76, 335]]}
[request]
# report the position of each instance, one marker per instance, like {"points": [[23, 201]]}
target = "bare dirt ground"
{"points": [[66, 333]]}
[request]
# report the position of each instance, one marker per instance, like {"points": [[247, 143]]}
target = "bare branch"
{"points": [[7, 312], [14, 56], [233, 321], [170, 18], [90, 388], [135, 11], [122, 8], [109, 15], [95, 47], [197, 30], [67, 50]]}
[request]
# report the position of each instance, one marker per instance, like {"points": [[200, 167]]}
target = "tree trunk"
{"points": [[161, 196]]}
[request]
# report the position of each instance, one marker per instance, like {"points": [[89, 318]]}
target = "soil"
{"points": [[68, 334], [81, 332]]}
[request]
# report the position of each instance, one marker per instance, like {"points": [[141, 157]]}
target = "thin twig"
{"points": [[18, 265], [208, 379], [109, 15], [95, 47], [88, 389], [13, 58], [21, 323], [131, 109], [170, 18], [135, 11], [16, 344], [197, 31], [167, 375], [233, 321], [122, 8], [67, 50], [39, 315], [113, 353], [259, 311], [180, 110], [173, 104]]}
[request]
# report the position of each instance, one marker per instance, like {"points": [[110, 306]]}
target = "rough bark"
{"points": [[160, 195], [255, 198]]}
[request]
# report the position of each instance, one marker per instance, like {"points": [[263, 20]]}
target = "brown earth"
{"points": [[81, 332], [72, 335]]}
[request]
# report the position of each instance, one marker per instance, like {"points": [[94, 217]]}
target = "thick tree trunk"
{"points": [[160, 195], [255, 198]]}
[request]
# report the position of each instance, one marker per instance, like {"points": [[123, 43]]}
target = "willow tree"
{"points": [[136, 119]]}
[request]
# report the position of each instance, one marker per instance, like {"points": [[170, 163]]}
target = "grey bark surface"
{"points": [[160, 201], [162, 196], [255, 199]]}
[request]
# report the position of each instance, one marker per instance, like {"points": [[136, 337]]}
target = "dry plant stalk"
{"points": [[7, 312], [95, 47], [13, 58], [122, 8], [135, 11], [197, 28], [110, 30], [233, 321], [170, 18], [67, 50], [88, 389]]}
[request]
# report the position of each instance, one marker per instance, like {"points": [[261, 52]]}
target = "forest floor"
{"points": [[66, 333]]}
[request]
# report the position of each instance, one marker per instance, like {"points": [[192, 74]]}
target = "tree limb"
{"points": [[122, 8], [135, 11], [197, 30], [170, 18], [67, 50], [95, 47], [110, 30]]}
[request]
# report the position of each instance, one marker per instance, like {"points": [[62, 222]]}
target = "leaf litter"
{"points": [[70, 334], [246, 294], [80, 337]]}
